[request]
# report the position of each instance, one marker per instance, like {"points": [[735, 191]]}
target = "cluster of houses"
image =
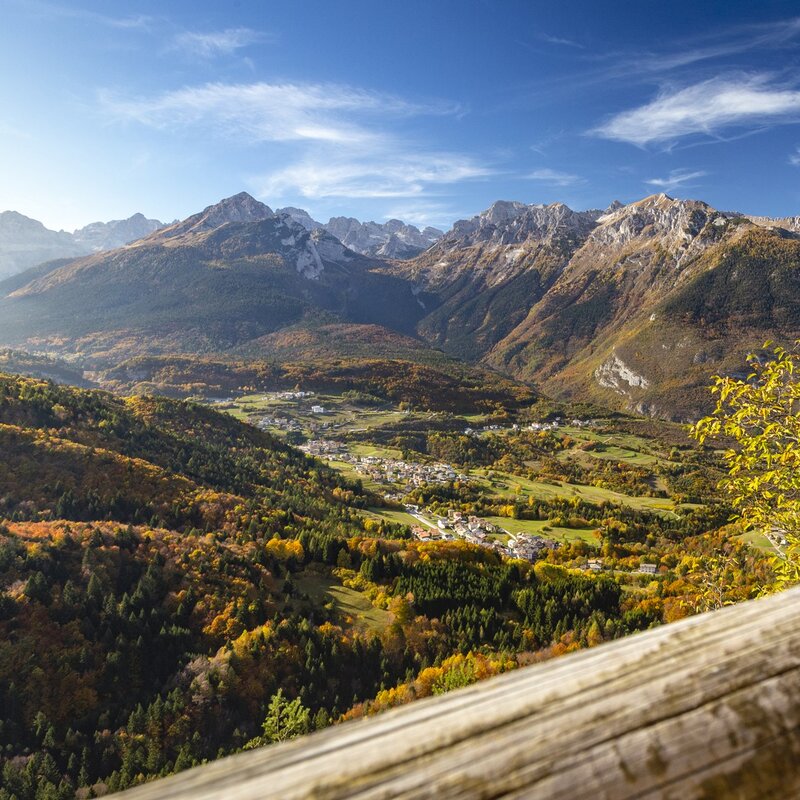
{"points": [[553, 425], [292, 395], [325, 448], [283, 423], [483, 533], [596, 565], [530, 547], [390, 471]]}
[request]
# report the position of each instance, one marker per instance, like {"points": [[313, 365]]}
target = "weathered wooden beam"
{"points": [[708, 707]]}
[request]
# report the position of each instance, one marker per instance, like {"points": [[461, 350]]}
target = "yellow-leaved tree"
{"points": [[760, 419]]}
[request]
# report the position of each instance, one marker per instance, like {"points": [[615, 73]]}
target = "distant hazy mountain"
{"points": [[118, 232], [392, 239], [25, 242]]}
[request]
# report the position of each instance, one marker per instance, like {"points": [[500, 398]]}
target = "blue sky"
{"points": [[428, 111]]}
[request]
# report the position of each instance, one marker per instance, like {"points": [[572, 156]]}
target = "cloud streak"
{"points": [[385, 174], [554, 177], [705, 108], [340, 138], [216, 43], [559, 40], [677, 178], [53, 10], [268, 111]]}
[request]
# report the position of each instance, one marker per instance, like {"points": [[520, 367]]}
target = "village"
{"points": [[455, 525], [478, 531], [389, 471]]}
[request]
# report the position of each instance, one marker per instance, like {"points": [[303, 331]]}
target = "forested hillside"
{"points": [[171, 577], [445, 384]]}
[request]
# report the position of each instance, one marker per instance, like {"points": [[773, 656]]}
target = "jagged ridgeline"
{"points": [[165, 570], [633, 306]]}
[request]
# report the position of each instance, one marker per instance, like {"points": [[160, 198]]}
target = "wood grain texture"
{"points": [[708, 707]]}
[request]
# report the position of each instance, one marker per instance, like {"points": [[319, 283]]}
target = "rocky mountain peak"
{"points": [[241, 207], [301, 216], [12, 222], [503, 210], [658, 215], [510, 222]]}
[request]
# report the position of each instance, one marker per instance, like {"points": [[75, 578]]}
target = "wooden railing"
{"points": [[708, 707]]}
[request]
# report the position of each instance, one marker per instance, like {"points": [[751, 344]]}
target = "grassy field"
{"points": [[350, 472], [537, 527], [513, 486], [374, 450], [393, 515], [757, 540], [623, 447], [348, 602]]}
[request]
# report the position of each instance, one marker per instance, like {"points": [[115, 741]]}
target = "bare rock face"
{"points": [[392, 239], [615, 374], [510, 222], [301, 216], [678, 226], [791, 224]]}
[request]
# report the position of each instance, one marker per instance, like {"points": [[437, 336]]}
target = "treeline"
{"points": [[448, 387]]}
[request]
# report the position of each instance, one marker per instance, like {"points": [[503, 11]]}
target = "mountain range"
{"points": [[26, 242], [634, 306], [391, 239]]}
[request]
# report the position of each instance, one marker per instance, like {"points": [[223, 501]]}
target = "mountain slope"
{"points": [[232, 273], [584, 303], [633, 307], [616, 324], [483, 275]]}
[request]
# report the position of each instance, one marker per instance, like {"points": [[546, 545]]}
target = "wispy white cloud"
{"points": [[45, 9], [668, 58], [708, 108], [677, 178], [794, 158], [269, 111], [389, 172], [554, 177], [216, 43], [341, 141], [425, 214], [559, 40], [721, 43]]}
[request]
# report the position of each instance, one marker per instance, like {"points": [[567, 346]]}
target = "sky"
{"points": [[425, 111]]}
